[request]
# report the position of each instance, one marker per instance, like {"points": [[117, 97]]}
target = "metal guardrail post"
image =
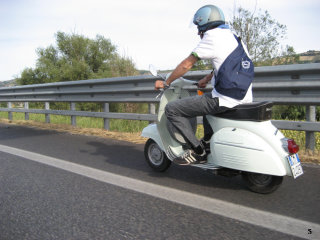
{"points": [[47, 115], [73, 118], [152, 110], [106, 121], [310, 136], [10, 116], [26, 114]]}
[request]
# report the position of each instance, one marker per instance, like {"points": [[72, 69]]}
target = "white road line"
{"points": [[275, 222]]}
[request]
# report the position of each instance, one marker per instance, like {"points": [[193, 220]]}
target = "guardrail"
{"points": [[286, 84]]}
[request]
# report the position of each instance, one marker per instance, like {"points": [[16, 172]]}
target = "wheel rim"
{"points": [[260, 179], [155, 154]]}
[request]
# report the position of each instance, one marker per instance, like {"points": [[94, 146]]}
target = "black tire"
{"points": [[155, 157], [262, 183]]}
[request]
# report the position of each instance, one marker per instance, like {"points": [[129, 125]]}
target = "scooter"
{"points": [[244, 142]]}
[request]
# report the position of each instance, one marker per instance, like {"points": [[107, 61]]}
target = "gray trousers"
{"points": [[179, 111]]}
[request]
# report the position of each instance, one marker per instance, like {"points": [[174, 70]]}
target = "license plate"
{"points": [[295, 165]]}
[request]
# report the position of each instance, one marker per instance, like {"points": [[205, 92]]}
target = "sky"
{"points": [[154, 32]]}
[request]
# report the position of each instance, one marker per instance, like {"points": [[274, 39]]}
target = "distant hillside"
{"points": [[9, 83], [310, 56], [144, 72]]}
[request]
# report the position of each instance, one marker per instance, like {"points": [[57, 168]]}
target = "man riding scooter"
{"points": [[231, 80]]}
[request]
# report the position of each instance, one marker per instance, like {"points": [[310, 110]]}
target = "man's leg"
{"points": [[180, 110], [208, 132]]}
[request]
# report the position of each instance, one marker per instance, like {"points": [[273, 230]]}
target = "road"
{"points": [[61, 186]]}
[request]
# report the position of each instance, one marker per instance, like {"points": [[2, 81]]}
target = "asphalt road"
{"points": [[41, 201]]}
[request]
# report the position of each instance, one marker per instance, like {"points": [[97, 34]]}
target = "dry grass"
{"points": [[309, 156], [305, 155], [123, 136]]}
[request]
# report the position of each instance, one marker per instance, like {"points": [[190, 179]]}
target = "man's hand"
{"points": [[159, 84], [202, 83]]}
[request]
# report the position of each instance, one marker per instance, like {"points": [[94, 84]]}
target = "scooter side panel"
{"points": [[248, 146], [243, 150], [264, 130]]}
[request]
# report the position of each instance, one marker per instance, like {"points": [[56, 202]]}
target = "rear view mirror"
{"points": [[153, 70]]}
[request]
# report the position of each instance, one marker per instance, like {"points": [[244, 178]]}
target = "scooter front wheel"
{"points": [[262, 183], [155, 157]]}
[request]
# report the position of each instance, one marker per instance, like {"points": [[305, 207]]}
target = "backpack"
{"points": [[235, 74]]}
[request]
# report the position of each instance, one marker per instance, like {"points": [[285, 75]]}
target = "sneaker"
{"points": [[190, 157]]}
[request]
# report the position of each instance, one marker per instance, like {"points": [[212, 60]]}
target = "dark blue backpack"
{"points": [[235, 74]]}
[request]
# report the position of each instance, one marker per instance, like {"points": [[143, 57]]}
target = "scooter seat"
{"points": [[256, 111]]}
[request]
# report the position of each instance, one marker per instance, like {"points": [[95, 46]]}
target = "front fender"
{"points": [[151, 131]]}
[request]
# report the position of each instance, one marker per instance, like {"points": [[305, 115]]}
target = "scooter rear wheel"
{"points": [[155, 157], [262, 183]]}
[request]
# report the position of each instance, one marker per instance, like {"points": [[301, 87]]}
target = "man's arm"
{"points": [[180, 70]]}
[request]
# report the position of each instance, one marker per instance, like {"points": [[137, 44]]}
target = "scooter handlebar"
{"points": [[180, 82]]}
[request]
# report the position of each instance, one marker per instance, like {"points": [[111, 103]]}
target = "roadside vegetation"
{"points": [[128, 126]]}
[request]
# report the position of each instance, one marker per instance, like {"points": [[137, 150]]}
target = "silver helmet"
{"points": [[208, 17]]}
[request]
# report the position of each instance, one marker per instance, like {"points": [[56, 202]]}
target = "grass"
{"points": [[119, 125]]}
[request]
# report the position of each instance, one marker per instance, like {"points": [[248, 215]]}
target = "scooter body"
{"points": [[251, 147]]}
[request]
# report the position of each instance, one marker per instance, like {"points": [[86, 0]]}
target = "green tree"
{"points": [[260, 33], [202, 65], [76, 57]]}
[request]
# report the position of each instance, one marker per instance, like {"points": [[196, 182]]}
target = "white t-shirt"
{"points": [[217, 44]]}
